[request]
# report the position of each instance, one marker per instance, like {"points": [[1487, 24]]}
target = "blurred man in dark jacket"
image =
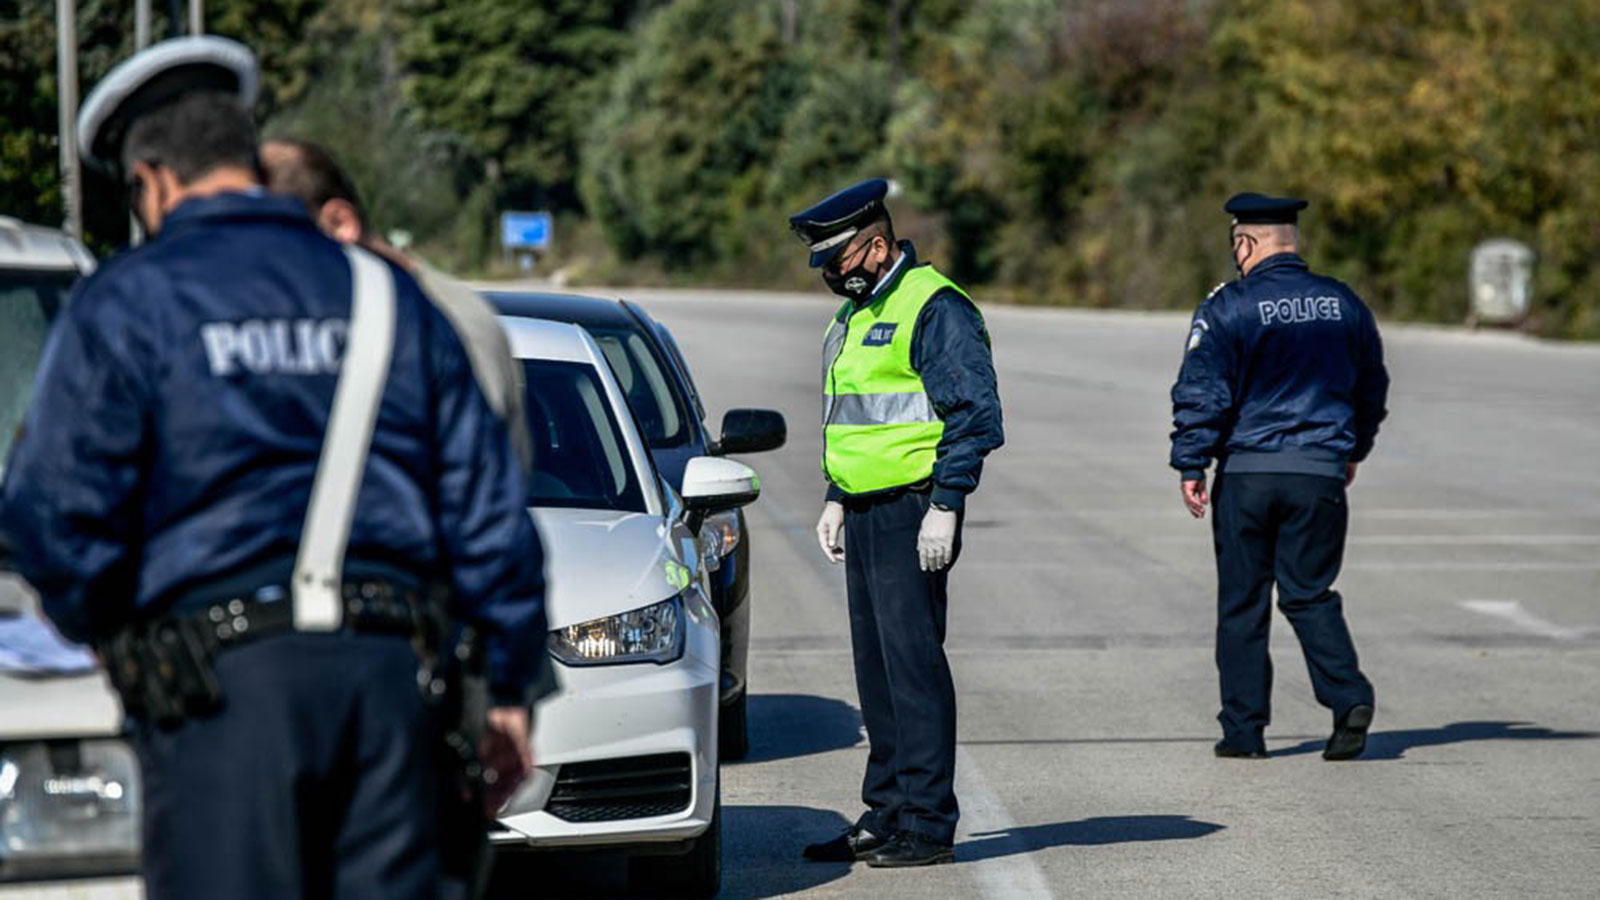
{"points": [[1283, 384], [308, 172]]}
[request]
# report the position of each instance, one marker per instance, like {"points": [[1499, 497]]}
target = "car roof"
{"points": [[582, 310], [24, 246], [534, 338]]}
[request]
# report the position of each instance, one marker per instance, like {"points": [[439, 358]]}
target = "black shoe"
{"points": [[910, 849], [853, 845], [1349, 734], [1225, 750]]}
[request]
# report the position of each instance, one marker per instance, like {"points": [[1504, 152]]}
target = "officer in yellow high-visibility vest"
{"points": [[910, 410]]}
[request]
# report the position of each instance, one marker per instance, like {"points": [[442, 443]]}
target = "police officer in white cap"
{"points": [[252, 461]]}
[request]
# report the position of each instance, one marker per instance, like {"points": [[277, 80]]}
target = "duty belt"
{"points": [[370, 607], [164, 669]]}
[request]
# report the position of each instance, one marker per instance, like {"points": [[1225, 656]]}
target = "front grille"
{"points": [[637, 787]]}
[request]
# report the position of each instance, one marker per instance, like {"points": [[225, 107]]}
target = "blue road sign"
{"points": [[525, 230]]}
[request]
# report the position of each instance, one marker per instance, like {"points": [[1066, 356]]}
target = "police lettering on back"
{"points": [[1295, 310], [275, 346]]}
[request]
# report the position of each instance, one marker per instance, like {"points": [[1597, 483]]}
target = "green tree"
{"points": [[517, 83], [678, 153]]}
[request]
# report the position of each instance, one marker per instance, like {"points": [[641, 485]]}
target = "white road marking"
{"points": [[1063, 565], [1007, 871], [1359, 511], [1473, 566], [1374, 540], [1512, 611], [1469, 540]]}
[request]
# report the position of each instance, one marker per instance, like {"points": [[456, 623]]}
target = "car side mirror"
{"points": [[752, 431], [712, 485]]}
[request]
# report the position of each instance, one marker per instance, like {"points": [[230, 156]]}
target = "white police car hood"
{"points": [[603, 562]]}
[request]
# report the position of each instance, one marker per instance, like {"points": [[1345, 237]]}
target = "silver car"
{"points": [[627, 749]]}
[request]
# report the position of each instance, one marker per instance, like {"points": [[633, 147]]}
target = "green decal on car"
{"points": [[677, 574]]}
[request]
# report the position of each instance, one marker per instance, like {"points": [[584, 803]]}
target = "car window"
{"points": [[29, 301], [581, 456], [644, 380], [671, 343]]}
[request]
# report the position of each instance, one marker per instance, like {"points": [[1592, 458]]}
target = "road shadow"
{"points": [[760, 858], [762, 845], [784, 726], [1388, 745], [1093, 832]]}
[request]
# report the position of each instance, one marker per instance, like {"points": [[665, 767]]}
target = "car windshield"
{"points": [[580, 458], [29, 301], [656, 405]]}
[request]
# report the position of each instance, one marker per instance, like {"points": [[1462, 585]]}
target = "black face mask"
{"points": [[136, 191], [1249, 242], [856, 284]]}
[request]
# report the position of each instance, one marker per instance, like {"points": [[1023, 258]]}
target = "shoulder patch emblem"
{"points": [[1198, 332]]}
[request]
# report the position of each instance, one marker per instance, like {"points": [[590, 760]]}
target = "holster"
{"points": [[164, 670], [457, 691]]}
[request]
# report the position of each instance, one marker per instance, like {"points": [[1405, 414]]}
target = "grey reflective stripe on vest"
{"points": [[832, 346], [879, 409], [319, 565]]}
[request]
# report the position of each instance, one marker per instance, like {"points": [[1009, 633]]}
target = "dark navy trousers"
{"points": [[908, 700], [1286, 530], [315, 780]]}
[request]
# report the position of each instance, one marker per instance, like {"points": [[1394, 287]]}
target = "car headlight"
{"points": [[650, 634], [68, 806], [719, 536]]}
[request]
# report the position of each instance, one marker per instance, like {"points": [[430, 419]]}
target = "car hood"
{"points": [[603, 562], [47, 688], [58, 707]]}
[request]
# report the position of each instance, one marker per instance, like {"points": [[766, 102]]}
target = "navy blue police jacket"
{"points": [[177, 421], [950, 351], [1283, 373]]}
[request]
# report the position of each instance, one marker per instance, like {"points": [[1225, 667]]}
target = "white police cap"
{"points": [[154, 77]]}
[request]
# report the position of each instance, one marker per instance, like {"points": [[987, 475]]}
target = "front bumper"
{"points": [[639, 746], [68, 807]]}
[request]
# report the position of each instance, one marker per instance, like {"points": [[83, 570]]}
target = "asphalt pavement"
{"points": [[1081, 623], [1080, 632]]}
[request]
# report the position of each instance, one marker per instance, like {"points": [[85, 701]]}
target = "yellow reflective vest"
{"points": [[879, 429]]}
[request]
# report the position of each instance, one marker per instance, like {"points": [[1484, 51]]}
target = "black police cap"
{"points": [[154, 77], [1259, 209], [828, 226]]}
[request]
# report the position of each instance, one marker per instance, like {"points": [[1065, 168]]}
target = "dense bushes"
{"points": [[1056, 151]]}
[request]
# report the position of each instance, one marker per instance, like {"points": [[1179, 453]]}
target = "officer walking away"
{"points": [[261, 594], [1283, 384], [308, 172], [910, 412]]}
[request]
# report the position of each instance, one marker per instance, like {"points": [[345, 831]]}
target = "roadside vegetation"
{"points": [[1048, 151]]}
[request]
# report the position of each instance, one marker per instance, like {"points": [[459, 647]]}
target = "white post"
{"points": [[67, 103], [141, 25], [197, 18], [141, 40]]}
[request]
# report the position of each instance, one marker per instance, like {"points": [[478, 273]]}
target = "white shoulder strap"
{"points": [[318, 568]]}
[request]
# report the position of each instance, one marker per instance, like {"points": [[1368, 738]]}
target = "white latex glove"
{"points": [[830, 531], [936, 542]]}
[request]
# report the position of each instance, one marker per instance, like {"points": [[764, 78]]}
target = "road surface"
{"points": [[1080, 633]]}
